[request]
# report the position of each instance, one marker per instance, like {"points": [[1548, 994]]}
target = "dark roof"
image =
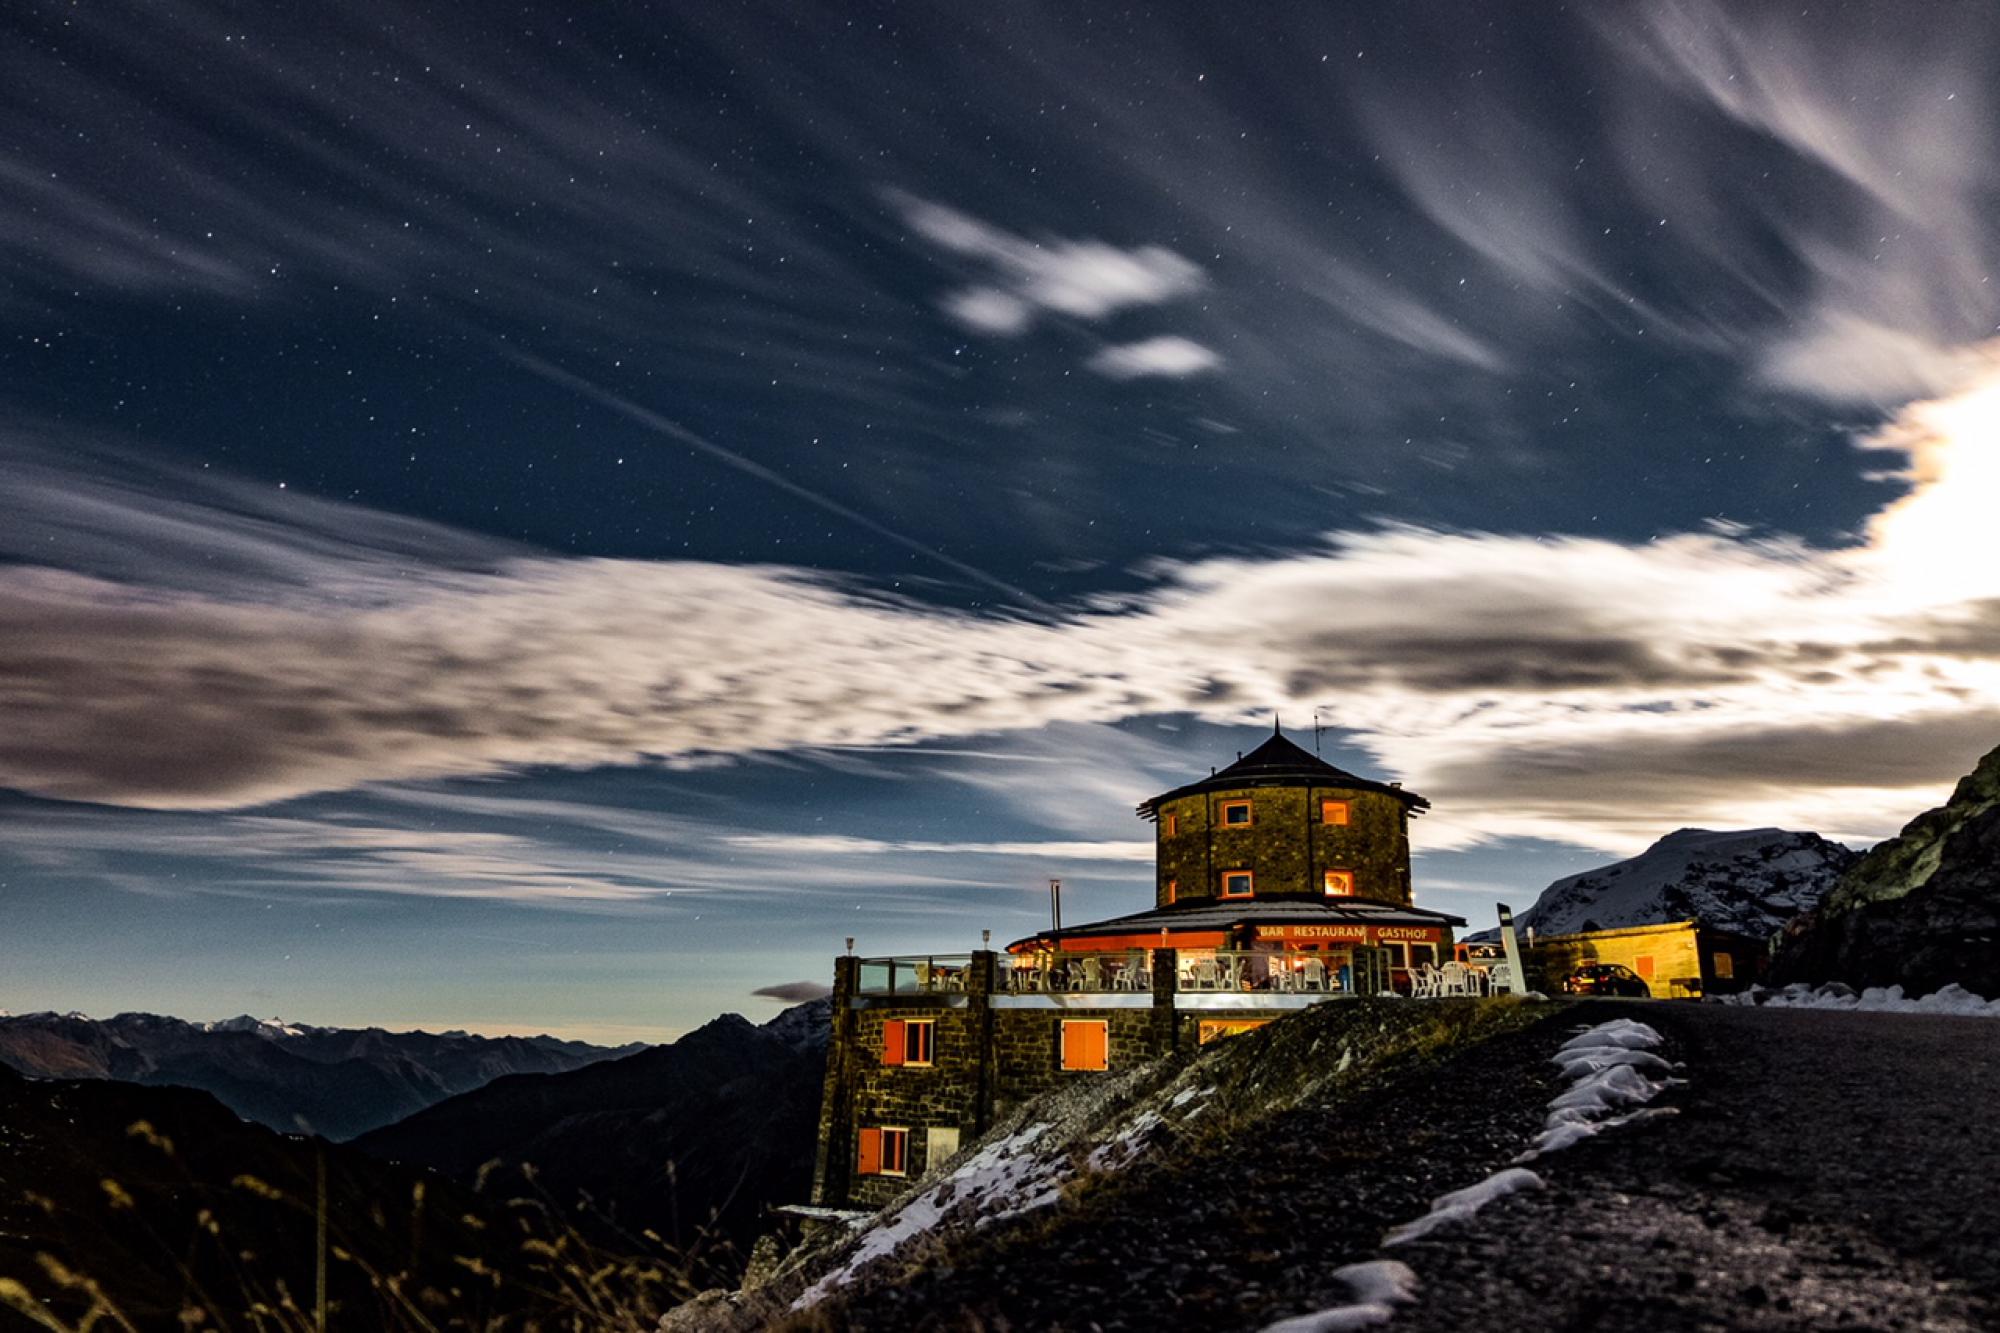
{"points": [[1301, 910], [1279, 763]]}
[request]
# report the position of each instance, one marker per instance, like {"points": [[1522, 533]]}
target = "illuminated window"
{"points": [[1173, 825], [1235, 814], [1725, 967], [1333, 812], [1214, 1029], [882, 1152], [1086, 1043], [1643, 965], [1173, 889], [1237, 884], [908, 1041], [1340, 883]]}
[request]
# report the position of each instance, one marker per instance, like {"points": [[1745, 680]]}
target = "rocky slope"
{"points": [[335, 1082], [1750, 881], [1215, 1190], [691, 1141], [1921, 910]]}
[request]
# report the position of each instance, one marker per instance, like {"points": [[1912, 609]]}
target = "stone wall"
{"points": [[1285, 847]]}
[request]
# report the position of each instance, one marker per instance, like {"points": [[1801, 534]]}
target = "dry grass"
{"points": [[418, 1266]]}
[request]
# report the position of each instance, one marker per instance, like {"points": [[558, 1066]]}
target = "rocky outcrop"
{"points": [[1746, 881], [1921, 910]]}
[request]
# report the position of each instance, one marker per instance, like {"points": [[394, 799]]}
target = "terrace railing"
{"points": [[918, 974], [1258, 970], [1126, 971]]}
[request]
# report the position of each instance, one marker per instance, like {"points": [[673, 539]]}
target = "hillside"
{"points": [[691, 1140], [1749, 881], [335, 1082], [1217, 1189], [162, 1205], [1920, 910]]}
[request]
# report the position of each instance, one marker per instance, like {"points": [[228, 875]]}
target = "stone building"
{"points": [[1281, 881]]}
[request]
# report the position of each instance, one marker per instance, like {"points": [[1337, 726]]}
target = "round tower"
{"points": [[1282, 823]]}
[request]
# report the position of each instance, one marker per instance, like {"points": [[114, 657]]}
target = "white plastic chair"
{"points": [[1453, 979], [1204, 974], [1499, 978], [1313, 975]]}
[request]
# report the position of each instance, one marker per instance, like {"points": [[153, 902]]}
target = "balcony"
{"points": [[926, 974], [1128, 972]]}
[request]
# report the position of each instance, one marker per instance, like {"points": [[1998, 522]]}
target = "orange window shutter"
{"points": [[868, 1153], [1097, 1045], [892, 1041]]}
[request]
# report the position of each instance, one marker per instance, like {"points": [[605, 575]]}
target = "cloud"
{"points": [[1081, 279], [1170, 357], [1897, 264], [841, 845], [1451, 656], [794, 992]]}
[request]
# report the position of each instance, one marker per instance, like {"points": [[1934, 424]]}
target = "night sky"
{"points": [[549, 518]]}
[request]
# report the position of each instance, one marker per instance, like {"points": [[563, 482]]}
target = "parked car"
{"points": [[1606, 979]]}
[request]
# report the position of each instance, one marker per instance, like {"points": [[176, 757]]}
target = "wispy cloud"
{"points": [[1452, 656], [1167, 356]]}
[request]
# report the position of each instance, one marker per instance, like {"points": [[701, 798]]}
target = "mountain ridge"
{"points": [[690, 1140], [337, 1082], [1745, 881]]}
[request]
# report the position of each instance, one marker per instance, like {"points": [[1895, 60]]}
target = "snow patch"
{"points": [[1952, 999], [1608, 1068], [1003, 1179], [1462, 1204], [1378, 1286]]}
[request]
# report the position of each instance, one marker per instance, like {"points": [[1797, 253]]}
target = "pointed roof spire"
{"points": [[1280, 763], [1276, 730]]}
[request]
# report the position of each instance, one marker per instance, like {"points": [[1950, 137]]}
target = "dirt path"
{"points": [[1827, 1170]]}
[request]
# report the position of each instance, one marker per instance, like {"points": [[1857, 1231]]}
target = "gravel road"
{"points": [[1826, 1171]]}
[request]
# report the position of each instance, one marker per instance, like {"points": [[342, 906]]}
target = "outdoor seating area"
{"points": [[927, 975], [1262, 970], [1131, 971], [1431, 982], [1095, 973]]}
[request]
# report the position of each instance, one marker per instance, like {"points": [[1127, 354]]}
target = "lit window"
{"points": [[1236, 884], [1235, 814], [882, 1152], [1643, 965], [1173, 825], [908, 1041], [1725, 967], [1173, 889], [1340, 883], [1086, 1044], [1333, 812], [1217, 1028]]}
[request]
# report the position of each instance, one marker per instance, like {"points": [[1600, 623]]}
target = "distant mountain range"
{"points": [[334, 1082], [1920, 910], [1749, 881], [691, 1141]]}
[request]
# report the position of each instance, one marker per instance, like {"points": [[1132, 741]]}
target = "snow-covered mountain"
{"points": [[1750, 881], [337, 1081]]}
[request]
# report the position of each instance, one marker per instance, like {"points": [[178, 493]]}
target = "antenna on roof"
{"points": [[1276, 730], [1315, 732]]}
